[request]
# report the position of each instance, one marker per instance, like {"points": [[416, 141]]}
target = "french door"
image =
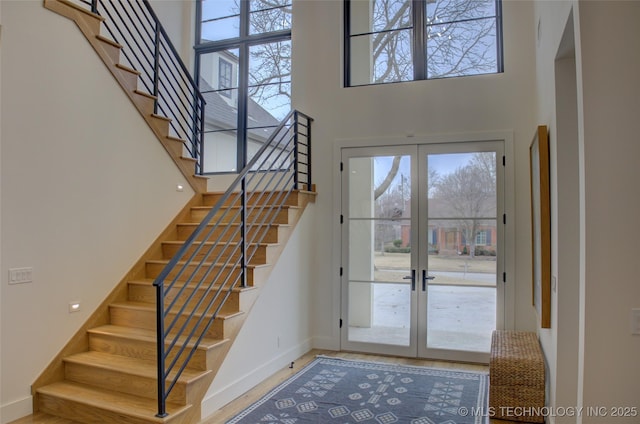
{"points": [[422, 249]]}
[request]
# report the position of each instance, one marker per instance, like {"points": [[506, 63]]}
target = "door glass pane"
{"points": [[379, 250], [462, 247]]}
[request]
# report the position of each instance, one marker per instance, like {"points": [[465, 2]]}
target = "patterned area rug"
{"points": [[333, 390]]}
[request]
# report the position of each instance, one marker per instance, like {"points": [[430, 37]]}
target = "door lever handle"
{"points": [[411, 277], [425, 277]]}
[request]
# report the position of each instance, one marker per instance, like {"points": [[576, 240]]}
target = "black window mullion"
{"points": [[243, 85], [347, 43], [419, 12], [198, 23], [499, 41]]}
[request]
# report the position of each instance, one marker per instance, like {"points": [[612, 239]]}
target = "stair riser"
{"points": [[78, 411], [122, 382], [136, 318], [128, 79], [160, 125], [291, 199], [144, 104], [146, 350], [259, 254], [258, 215], [147, 293], [262, 234], [112, 51], [225, 276], [176, 147]]}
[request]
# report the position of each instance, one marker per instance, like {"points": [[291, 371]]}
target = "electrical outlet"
{"points": [[20, 275]]}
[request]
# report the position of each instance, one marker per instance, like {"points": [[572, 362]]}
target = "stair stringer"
{"points": [[79, 343], [109, 51]]}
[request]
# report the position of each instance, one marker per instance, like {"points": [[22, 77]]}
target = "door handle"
{"points": [[411, 277], [426, 277]]}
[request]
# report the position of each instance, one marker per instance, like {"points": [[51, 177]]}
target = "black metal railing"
{"points": [[147, 49], [217, 257]]}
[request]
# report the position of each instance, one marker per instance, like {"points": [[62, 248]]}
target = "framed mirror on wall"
{"points": [[541, 225]]}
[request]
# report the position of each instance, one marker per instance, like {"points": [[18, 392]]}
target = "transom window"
{"points": [[406, 40], [243, 68]]}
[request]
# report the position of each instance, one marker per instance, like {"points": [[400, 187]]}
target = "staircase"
{"points": [[149, 353], [114, 379]]}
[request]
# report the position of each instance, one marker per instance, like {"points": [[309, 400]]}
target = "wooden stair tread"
{"points": [[235, 224], [150, 336], [82, 9], [210, 243], [204, 264], [131, 405], [149, 281], [143, 306], [178, 139], [251, 207], [109, 41], [128, 69], [161, 117], [145, 94], [129, 365]]}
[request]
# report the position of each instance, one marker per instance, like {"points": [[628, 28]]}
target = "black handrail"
{"points": [[216, 257], [146, 47]]}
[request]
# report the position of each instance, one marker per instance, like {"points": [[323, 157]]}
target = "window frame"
{"points": [[419, 39], [242, 43]]}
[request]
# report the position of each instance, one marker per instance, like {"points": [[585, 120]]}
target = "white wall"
{"points": [[177, 17], [460, 105], [590, 349], [610, 56], [85, 188], [0, 204], [278, 329], [554, 23]]}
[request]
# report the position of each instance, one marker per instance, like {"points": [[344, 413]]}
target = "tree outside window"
{"points": [[404, 40], [252, 39]]}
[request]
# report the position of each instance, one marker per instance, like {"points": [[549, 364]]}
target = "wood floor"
{"points": [[234, 407]]}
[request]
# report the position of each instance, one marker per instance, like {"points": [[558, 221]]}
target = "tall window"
{"points": [[405, 40], [243, 68]]}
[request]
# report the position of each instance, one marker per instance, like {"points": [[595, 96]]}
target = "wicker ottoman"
{"points": [[516, 377]]}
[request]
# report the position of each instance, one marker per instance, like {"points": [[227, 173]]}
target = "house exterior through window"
{"points": [[243, 69], [405, 40]]}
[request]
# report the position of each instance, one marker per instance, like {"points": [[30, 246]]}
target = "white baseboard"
{"points": [[17, 409], [224, 395]]}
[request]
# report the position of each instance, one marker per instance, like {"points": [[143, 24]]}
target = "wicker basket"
{"points": [[516, 377]]}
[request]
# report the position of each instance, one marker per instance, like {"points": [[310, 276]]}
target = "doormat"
{"points": [[342, 391]]}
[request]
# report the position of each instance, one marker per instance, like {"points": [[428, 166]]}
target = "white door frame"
{"points": [[507, 265]]}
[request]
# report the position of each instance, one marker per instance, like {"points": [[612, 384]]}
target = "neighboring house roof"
{"points": [[219, 114]]}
